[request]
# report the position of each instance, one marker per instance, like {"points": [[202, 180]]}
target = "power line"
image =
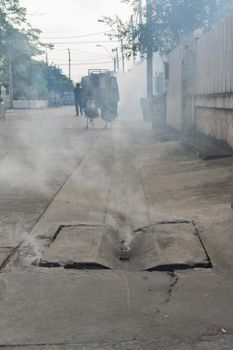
{"points": [[90, 53], [85, 42], [83, 64], [77, 36], [78, 62], [80, 51], [59, 32], [78, 55], [84, 55], [60, 50], [36, 14]]}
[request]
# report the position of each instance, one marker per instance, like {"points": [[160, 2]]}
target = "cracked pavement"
{"points": [[127, 177]]}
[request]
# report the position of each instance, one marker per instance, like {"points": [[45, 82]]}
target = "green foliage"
{"points": [[36, 79], [12, 22], [56, 80], [19, 43], [28, 81], [170, 20]]}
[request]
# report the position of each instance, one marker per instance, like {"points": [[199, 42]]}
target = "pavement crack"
{"points": [[127, 287], [8, 258], [64, 345], [173, 282]]}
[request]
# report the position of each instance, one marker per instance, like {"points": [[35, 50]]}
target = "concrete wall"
{"points": [[201, 84], [216, 123], [214, 82], [24, 104]]}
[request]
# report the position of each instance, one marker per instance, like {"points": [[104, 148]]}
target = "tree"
{"points": [[55, 79], [36, 80], [13, 23], [19, 56], [171, 19], [29, 82], [19, 43], [12, 19]]}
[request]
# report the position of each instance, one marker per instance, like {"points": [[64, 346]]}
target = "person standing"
{"points": [[78, 98]]}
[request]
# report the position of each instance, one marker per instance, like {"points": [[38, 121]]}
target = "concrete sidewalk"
{"points": [[133, 177]]}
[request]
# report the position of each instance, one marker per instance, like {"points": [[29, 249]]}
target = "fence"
{"points": [[200, 88], [175, 89]]}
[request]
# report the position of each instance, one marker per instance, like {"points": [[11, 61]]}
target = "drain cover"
{"points": [[164, 246], [168, 246], [82, 247]]}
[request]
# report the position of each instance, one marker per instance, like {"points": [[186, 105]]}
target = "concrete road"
{"points": [[54, 174]]}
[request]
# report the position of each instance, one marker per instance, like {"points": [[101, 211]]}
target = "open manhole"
{"points": [[165, 246]]}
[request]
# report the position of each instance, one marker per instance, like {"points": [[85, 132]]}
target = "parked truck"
{"points": [[100, 94]]}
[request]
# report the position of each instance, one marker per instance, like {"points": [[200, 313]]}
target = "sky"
{"points": [[73, 24]]}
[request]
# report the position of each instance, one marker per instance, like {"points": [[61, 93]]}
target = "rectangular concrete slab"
{"points": [[55, 306], [58, 310], [83, 246], [168, 246], [207, 149]]}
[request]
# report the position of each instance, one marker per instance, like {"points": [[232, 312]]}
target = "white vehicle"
{"points": [[100, 95]]}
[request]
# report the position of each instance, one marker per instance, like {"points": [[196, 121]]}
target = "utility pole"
{"points": [[117, 59], [114, 64], [133, 41], [10, 77], [46, 58], [122, 56], [140, 24], [69, 55], [149, 10]]}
